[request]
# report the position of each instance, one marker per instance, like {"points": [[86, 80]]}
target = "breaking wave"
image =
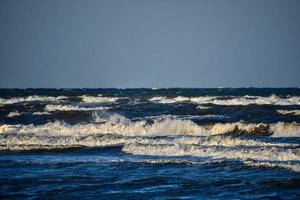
{"points": [[14, 114], [114, 124], [108, 123], [181, 117], [41, 113], [31, 98], [256, 156], [244, 100], [51, 108], [259, 153], [99, 99], [165, 136], [84, 98], [271, 164], [289, 112]]}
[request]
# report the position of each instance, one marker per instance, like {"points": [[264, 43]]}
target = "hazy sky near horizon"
{"points": [[149, 43]]}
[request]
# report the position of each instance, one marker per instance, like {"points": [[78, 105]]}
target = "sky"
{"points": [[149, 43]]}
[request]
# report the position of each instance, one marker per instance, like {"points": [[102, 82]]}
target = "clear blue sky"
{"points": [[150, 43]]}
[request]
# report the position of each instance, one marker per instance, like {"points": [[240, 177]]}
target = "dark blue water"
{"points": [[150, 143]]}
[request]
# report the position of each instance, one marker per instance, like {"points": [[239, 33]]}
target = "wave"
{"points": [[100, 99], [167, 136], [31, 98], [203, 107], [259, 153], [58, 134], [107, 123], [271, 164], [289, 112], [14, 114], [84, 98], [17, 113], [41, 113], [51, 108], [217, 100], [181, 117], [286, 158], [116, 124]]}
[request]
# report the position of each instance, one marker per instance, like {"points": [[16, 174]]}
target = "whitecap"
{"points": [[51, 108], [14, 114], [31, 98], [99, 99], [289, 112], [229, 100]]}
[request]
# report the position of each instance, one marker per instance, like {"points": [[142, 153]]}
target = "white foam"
{"points": [[41, 113], [203, 107], [31, 98], [181, 138], [289, 112], [57, 134], [205, 141], [182, 117], [51, 108], [85, 98], [288, 165], [260, 153], [281, 129], [232, 100], [14, 114], [165, 100], [117, 124], [99, 99]]}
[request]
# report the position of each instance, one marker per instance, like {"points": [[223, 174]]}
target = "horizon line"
{"points": [[152, 88]]}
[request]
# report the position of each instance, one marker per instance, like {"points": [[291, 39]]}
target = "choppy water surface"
{"points": [[150, 143]]}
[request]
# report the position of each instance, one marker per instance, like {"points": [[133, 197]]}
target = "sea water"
{"points": [[221, 143]]}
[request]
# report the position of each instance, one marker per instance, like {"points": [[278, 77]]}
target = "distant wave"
{"points": [[14, 114], [51, 108], [217, 100], [203, 107], [31, 98], [84, 98], [41, 113], [294, 166], [289, 112], [99, 99], [181, 117], [245, 100]]}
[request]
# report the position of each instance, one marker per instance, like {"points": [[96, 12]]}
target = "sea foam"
{"points": [[289, 112], [99, 99], [230, 100], [31, 98], [114, 124], [68, 107]]}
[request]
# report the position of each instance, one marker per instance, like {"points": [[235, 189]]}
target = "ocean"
{"points": [[171, 143]]}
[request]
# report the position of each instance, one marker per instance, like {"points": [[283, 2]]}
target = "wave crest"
{"points": [[51, 108], [107, 123], [99, 99], [289, 112], [31, 98], [217, 100], [163, 137]]}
